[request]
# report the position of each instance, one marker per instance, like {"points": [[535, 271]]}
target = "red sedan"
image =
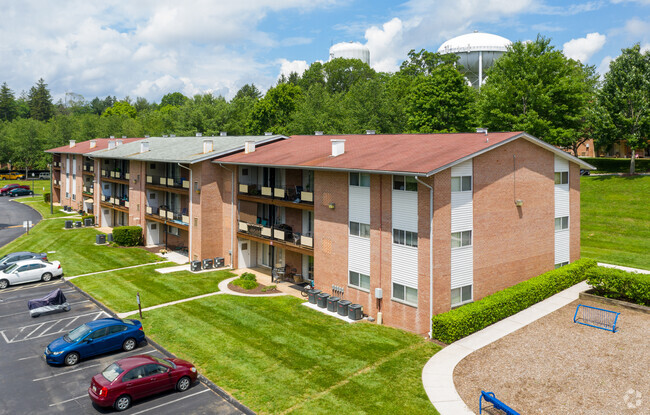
{"points": [[137, 377]]}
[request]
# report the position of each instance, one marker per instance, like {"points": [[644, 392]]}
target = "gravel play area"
{"points": [[555, 366]]}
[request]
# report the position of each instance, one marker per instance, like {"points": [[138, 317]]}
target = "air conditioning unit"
{"points": [[219, 262], [195, 266], [207, 263]]}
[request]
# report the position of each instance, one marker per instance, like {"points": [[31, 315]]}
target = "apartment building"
{"points": [[433, 221]]}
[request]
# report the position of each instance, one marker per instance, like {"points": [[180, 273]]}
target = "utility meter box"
{"points": [[379, 294]]}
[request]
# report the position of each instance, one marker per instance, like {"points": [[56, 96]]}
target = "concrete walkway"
{"points": [[115, 269], [628, 269], [438, 373]]}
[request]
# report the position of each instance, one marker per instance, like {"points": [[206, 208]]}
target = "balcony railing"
{"points": [[89, 189], [89, 168], [289, 193], [175, 182], [56, 164], [169, 215], [278, 233], [115, 174]]}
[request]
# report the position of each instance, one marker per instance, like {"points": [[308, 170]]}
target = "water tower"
{"points": [[477, 52], [350, 50]]}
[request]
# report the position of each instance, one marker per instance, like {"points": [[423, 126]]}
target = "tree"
{"points": [[441, 102], [425, 62], [121, 108], [248, 91], [40, 102], [318, 110], [8, 110], [174, 98], [340, 74], [273, 112], [535, 88], [26, 142], [141, 104], [624, 102]]}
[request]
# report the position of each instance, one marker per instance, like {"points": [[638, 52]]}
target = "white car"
{"points": [[29, 270]]}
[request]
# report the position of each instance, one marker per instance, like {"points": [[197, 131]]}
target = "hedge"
{"points": [[46, 197], [470, 318], [128, 235], [614, 283], [616, 165]]}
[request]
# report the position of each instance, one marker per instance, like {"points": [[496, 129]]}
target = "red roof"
{"points": [[408, 153], [83, 147]]}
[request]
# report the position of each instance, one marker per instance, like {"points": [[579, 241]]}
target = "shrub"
{"points": [[269, 288], [470, 318], [84, 217], [127, 235], [614, 283], [614, 165], [245, 284], [46, 197], [248, 276]]}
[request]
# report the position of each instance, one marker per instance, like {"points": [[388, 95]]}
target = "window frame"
{"points": [[561, 264], [404, 300], [461, 183], [561, 178], [462, 302], [405, 236], [363, 229], [409, 183], [362, 179], [461, 238], [564, 224], [359, 285]]}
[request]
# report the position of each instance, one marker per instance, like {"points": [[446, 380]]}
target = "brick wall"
{"points": [[441, 241], [137, 194], [574, 211], [211, 213]]}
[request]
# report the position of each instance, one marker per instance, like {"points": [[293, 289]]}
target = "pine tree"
{"points": [[40, 102], [8, 109]]}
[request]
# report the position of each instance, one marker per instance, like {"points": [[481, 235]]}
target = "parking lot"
{"points": [[31, 386]]}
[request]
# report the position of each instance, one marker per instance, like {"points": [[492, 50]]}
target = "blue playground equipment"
{"points": [[596, 317], [497, 404]]}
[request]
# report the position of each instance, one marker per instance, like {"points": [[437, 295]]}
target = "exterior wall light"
{"points": [[332, 205], [519, 203]]}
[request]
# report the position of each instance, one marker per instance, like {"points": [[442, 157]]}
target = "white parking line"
{"points": [[3, 302], [69, 400], [30, 357], [170, 402], [66, 372], [15, 335]]}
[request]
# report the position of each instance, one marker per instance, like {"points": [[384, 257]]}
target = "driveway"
{"points": [[12, 215]]}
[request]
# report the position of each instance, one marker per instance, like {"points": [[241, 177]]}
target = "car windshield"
{"points": [[4, 259], [112, 372], [165, 362], [10, 268], [127, 321], [77, 333]]}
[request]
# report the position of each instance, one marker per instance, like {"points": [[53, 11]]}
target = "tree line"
{"points": [[533, 87]]}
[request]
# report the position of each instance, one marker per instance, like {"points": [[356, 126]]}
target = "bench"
{"points": [[497, 404], [596, 317]]}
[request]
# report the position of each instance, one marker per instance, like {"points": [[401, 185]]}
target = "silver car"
{"points": [[28, 271]]}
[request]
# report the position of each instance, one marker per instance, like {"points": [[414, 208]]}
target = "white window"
{"points": [[460, 239], [360, 229], [561, 264], [461, 184], [407, 238], [461, 295], [561, 223], [359, 280], [405, 294], [407, 183], [561, 177], [360, 179]]}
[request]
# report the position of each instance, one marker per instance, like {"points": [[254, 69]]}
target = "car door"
{"points": [[159, 378], [36, 272], [23, 274], [136, 382], [92, 343], [115, 337]]}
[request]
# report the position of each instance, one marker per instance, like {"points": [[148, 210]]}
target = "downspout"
{"points": [[189, 243], [51, 186], [232, 215], [430, 253]]}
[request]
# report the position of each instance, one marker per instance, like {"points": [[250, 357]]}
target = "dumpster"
{"points": [[313, 293], [343, 307], [355, 312], [332, 304], [321, 300]]}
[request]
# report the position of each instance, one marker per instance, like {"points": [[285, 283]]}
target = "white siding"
{"points": [[405, 210], [404, 265], [359, 254], [561, 200], [462, 267], [67, 164], [561, 164], [74, 165], [462, 216], [359, 204], [462, 169], [562, 240]]}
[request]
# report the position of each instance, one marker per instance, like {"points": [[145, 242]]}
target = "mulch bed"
{"points": [[554, 366], [256, 290]]}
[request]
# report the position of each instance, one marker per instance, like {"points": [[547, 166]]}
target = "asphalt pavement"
{"points": [[12, 216]]}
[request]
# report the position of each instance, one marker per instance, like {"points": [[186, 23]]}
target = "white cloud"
{"points": [[603, 67], [583, 48], [286, 67], [646, 2]]}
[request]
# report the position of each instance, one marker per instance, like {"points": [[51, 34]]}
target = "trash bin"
{"points": [[100, 239], [343, 307], [312, 295], [219, 262], [332, 304], [207, 263], [68, 224], [195, 266], [109, 237], [355, 312], [322, 300]]}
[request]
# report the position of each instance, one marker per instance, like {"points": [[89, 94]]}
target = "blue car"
{"points": [[93, 338]]}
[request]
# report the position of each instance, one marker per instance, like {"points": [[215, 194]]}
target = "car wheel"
{"points": [[4, 284], [46, 277], [129, 344], [122, 403], [183, 384], [71, 359], [31, 193]]}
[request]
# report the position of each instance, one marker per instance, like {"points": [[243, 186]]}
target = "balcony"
{"points": [[163, 215], [115, 176], [89, 190], [115, 203], [88, 169], [278, 235], [287, 196], [56, 164], [175, 185], [56, 183]]}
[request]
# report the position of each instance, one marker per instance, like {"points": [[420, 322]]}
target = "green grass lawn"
{"points": [[615, 220], [76, 249], [117, 289], [276, 356], [43, 208], [38, 186]]}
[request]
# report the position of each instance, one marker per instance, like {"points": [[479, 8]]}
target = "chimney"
{"points": [[482, 130], [111, 144], [370, 132], [165, 136], [338, 147], [72, 143], [223, 133], [208, 146], [119, 142], [318, 133], [199, 134], [249, 147], [112, 136], [123, 136], [93, 143], [172, 135], [146, 136], [144, 146], [268, 133]]}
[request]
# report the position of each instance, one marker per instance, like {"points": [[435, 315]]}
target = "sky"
{"points": [[148, 48]]}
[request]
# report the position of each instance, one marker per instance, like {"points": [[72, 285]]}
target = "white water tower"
{"points": [[477, 52], [350, 50]]}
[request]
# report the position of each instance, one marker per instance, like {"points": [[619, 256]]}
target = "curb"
{"points": [[216, 389], [586, 295]]}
